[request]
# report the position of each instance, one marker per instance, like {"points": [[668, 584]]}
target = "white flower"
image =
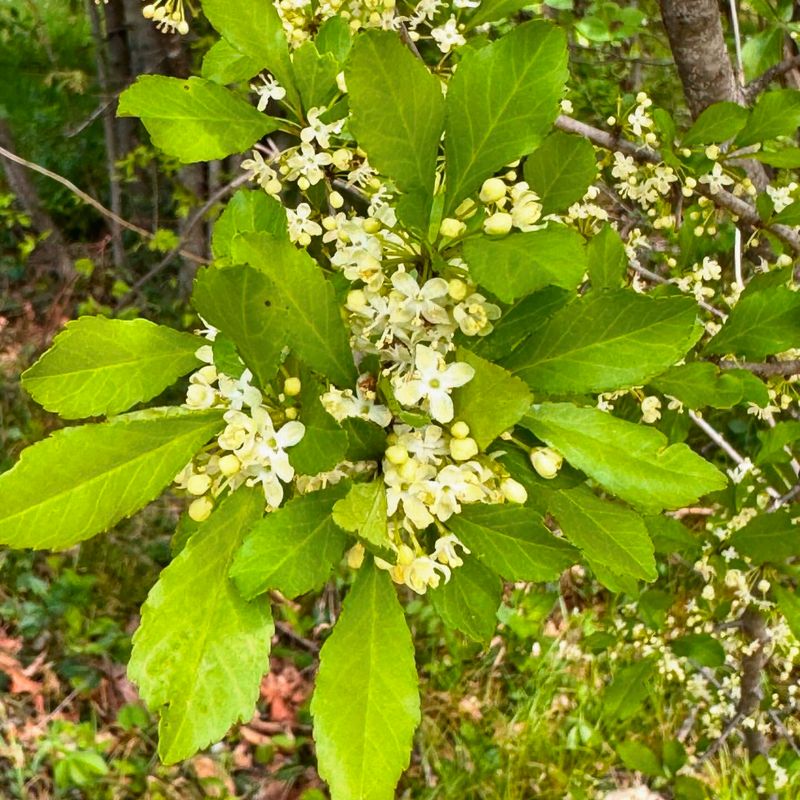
{"points": [[239, 392], [651, 409], [434, 382], [453, 485], [305, 162], [447, 36], [270, 90], [341, 404], [415, 301], [639, 120], [318, 130], [301, 226], [474, 316], [423, 572], [201, 392], [265, 175], [716, 180], [781, 197]]}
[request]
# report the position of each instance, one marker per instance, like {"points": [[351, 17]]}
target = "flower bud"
{"points": [[463, 449], [355, 556], [198, 484], [341, 158], [200, 509], [460, 429], [451, 228], [292, 387], [493, 189], [546, 461], [229, 465], [372, 225], [336, 200], [466, 208], [498, 224], [457, 289], [396, 454], [291, 413], [513, 491]]}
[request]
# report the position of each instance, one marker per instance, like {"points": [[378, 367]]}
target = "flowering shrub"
{"points": [[429, 362]]}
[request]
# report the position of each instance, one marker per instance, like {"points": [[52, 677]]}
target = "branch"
{"points": [[89, 200], [740, 208], [766, 370], [757, 85]]}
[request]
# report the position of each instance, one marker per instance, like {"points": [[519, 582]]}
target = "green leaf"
{"points": [[789, 606], [670, 536], [768, 538], [315, 75], [762, 323], [224, 64], [363, 511], [699, 384], [776, 113], [103, 366], [632, 461], [607, 259], [334, 37], [325, 442], [492, 402], [255, 28], [80, 481], [717, 123], [366, 440], [501, 102], [774, 440], [561, 170], [200, 650], [469, 601], [762, 51], [292, 549], [235, 300], [494, 10], [596, 343], [606, 532], [194, 119], [512, 541], [524, 262], [398, 122], [700, 647], [366, 701], [639, 758], [248, 211], [626, 693], [316, 333], [788, 158]]}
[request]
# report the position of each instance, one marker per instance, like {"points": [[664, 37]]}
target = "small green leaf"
{"points": [[774, 440], [594, 344], [363, 511], [248, 211], [494, 10], [317, 333], [764, 322], [629, 689], [788, 158], [700, 647], [398, 122], [469, 601], [561, 170], [524, 262], [632, 461], [80, 481], [761, 51], [640, 758], [789, 605], [768, 538], [670, 536], [201, 650], [366, 440], [700, 384], [777, 113], [194, 119], [292, 549], [315, 75], [366, 702], [235, 300], [224, 64], [717, 123], [492, 402], [334, 37], [606, 532], [501, 103], [103, 366], [607, 259], [512, 541]]}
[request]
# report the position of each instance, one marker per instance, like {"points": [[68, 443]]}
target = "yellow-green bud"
{"points": [[292, 387], [200, 509], [451, 228], [198, 484], [457, 289], [336, 200], [460, 429], [498, 224], [355, 556], [372, 225], [396, 454], [466, 208], [463, 449], [291, 413], [546, 461], [493, 189], [513, 491], [229, 465]]}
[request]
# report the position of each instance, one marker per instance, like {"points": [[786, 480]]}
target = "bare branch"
{"points": [[766, 370]]}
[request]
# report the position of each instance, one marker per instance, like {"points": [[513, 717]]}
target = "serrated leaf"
{"points": [[561, 170], [512, 541], [492, 402], [366, 440], [700, 647], [223, 63], [236, 300], [248, 211], [292, 549], [768, 538], [255, 28], [717, 123], [595, 344], [103, 366], [776, 113], [315, 75], [607, 259], [334, 37], [363, 511], [317, 333], [469, 601], [606, 532], [397, 122], [194, 119], [494, 10], [774, 440], [632, 461], [80, 481], [201, 650], [762, 323], [788, 158], [670, 536], [519, 264], [761, 51], [700, 384], [366, 701], [325, 442], [626, 693], [501, 103]]}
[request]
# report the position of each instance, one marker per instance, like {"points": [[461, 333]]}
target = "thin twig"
{"points": [[768, 369], [89, 200], [716, 437]]}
